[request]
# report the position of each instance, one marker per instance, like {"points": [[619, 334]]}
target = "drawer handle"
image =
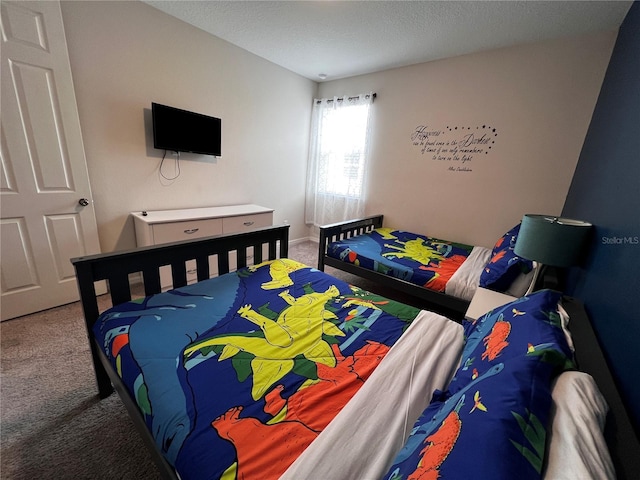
{"points": [[192, 271], [189, 231], [248, 224]]}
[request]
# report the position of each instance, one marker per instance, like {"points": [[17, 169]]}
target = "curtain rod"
{"points": [[341, 99]]}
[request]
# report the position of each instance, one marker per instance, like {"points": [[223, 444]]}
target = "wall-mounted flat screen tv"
{"points": [[183, 131]]}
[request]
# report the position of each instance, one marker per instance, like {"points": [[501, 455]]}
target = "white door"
{"points": [[44, 172]]}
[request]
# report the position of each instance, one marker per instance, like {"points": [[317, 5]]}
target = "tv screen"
{"points": [[183, 131]]}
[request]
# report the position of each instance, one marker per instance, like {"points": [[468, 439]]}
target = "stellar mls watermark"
{"points": [[621, 240]]}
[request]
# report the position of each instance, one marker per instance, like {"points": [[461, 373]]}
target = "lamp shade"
{"points": [[550, 240]]}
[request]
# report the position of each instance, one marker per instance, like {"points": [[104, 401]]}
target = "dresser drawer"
{"points": [[155, 227], [176, 231], [241, 223]]}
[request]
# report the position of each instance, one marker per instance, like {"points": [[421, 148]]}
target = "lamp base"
{"points": [[552, 278], [545, 277]]}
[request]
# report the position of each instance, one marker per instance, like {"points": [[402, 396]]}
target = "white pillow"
{"points": [[564, 319], [576, 447]]}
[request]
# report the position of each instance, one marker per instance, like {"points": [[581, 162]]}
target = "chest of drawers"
{"points": [[155, 227]]}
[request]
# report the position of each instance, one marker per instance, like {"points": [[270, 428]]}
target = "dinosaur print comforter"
{"points": [[236, 375], [476, 403], [439, 265]]}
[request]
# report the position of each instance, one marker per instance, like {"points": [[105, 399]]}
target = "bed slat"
{"points": [[178, 274], [119, 287], [223, 264], [242, 258], [151, 278], [257, 253], [202, 264]]}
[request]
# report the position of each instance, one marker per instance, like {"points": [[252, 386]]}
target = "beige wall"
{"points": [[539, 98], [125, 55]]}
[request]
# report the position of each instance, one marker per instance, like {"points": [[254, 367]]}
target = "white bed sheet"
{"points": [[464, 282], [424, 359], [352, 446], [577, 448]]}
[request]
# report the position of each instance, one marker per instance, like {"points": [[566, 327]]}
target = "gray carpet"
{"points": [[53, 425]]}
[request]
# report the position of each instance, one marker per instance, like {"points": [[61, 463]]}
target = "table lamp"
{"points": [[552, 241]]}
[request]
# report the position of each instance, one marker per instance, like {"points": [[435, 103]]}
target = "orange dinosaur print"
{"points": [[306, 413], [119, 342], [496, 341], [443, 272], [438, 446], [274, 403], [266, 459], [316, 405], [498, 256]]}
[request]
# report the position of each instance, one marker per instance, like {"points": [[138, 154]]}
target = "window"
{"points": [[337, 162]]}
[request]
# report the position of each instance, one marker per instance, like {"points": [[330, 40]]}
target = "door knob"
{"points": [[84, 202]]}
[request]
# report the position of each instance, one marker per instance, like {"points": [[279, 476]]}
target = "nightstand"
{"points": [[484, 300]]}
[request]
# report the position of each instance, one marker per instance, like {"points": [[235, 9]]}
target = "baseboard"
{"points": [[302, 240]]}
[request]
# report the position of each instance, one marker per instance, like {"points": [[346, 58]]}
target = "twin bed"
{"points": [[278, 370], [440, 272]]}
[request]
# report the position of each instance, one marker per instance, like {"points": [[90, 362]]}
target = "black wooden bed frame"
{"points": [[352, 228], [623, 439], [116, 267]]}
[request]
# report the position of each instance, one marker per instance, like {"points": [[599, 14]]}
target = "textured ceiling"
{"points": [[347, 38]]}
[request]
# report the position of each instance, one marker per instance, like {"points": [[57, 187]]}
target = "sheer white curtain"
{"points": [[338, 153]]}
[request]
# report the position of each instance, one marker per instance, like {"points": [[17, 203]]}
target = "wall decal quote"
{"points": [[455, 146]]}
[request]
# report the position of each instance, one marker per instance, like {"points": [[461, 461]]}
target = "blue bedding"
{"points": [[492, 421], [421, 260], [235, 376]]}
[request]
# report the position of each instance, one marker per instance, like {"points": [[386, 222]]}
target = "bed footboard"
{"points": [[116, 268], [348, 229]]}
